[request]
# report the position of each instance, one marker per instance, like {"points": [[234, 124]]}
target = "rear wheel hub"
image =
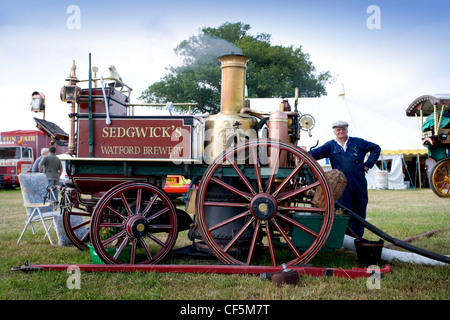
{"points": [[264, 206]]}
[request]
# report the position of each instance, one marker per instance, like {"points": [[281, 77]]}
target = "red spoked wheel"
{"points": [[268, 184], [138, 220], [76, 222], [77, 229]]}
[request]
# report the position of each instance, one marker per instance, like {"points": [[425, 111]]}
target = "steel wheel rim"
{"points": [[135, 223], [271, 221]]}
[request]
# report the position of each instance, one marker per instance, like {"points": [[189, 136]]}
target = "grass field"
{"points": [[401, 214]]}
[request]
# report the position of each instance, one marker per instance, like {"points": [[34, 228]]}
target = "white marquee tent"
{"points": [[395, 140]]}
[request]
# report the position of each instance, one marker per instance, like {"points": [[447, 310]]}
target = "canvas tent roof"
{"points": [[392, 137]]}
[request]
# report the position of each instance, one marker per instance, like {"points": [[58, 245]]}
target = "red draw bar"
{"points": [[219, 269]]}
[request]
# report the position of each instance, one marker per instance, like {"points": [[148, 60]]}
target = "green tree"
{"points": [[273, 71]]}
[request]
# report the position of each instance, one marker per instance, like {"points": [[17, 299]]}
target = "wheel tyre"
{"points": [[137, 219]]}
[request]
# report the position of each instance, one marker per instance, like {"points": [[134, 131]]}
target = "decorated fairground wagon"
{"points": [[433, 118]]}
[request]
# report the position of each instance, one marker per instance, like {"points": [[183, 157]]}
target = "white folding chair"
{"points": [[39, 203]]}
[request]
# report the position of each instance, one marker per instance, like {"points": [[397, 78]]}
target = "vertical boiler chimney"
{"points": [[228, 127], [233, 83]]}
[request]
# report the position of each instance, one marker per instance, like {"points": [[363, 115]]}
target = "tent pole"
{"points": [[407, 171], [418, 170]]}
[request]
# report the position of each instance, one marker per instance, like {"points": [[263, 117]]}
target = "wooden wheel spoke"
{"points": [[149, 205], [270, 242], [107, 224], [161, 226], [301, 209], [289, 194], [158, 214], [443, 187], [146, 249], [245, 195], [298, 225], [155, 239], [254, 241], [239, 234], [289, 177], [77, 226], [232, 219], [274, 171], [133, 251], [125, 202], [121, 247], [116, 212], [241, 175], [114, 237], [227, 204], [286, 238], [84, 237], [256, 167], [138, 201]]}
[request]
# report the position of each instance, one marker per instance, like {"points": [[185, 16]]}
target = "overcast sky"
{"points": [[385, 53]]}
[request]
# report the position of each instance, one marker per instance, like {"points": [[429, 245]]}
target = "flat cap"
{"points": [[340, 124]]}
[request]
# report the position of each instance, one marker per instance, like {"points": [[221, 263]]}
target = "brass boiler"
{"points": [[230, 126]]}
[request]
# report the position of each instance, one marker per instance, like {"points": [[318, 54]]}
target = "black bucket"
{"points": [[368, 252]]}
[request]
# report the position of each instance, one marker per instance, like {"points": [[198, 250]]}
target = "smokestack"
{"points": [[233, 83], [228, 127]]}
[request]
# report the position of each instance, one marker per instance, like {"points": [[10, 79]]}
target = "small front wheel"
{"points": [[136, 219]]}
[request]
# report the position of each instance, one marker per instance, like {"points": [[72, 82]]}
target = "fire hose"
{"points": [[397, 242]]}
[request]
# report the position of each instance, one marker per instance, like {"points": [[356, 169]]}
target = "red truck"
{"points": [[18, 151]]}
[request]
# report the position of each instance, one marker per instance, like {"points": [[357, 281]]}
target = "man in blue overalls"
{"points": [[347, 154]]}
